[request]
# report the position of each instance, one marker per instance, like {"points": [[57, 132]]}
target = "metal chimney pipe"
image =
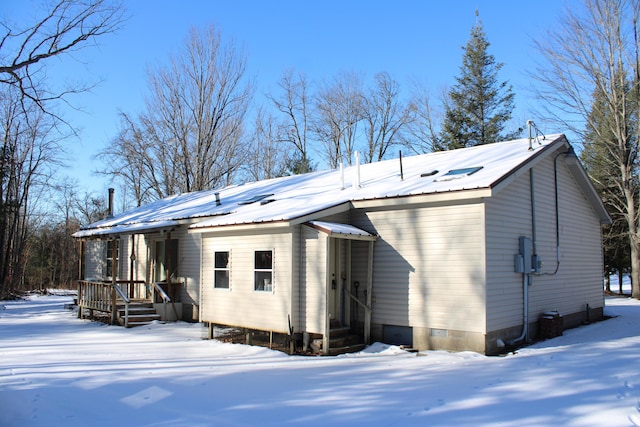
{"points": [[356, 177], [110, 211]]}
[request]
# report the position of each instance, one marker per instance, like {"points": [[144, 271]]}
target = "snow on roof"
{"points": [[344, 230], [291, 197], [126, 228]]}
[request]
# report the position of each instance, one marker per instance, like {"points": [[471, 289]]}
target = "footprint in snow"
{"points": [[439, 403]]}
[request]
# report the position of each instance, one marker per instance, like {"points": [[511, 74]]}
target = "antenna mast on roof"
{"points": [[532, 126]]}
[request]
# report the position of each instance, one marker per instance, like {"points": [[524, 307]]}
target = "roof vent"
{"points": [[254, 199], [430, 173], [356, 176]]}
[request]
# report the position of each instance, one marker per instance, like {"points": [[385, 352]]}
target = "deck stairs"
{"points": [[342, 340], [141, 312]]}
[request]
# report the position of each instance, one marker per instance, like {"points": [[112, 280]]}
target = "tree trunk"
{"points": [[635, 267], [620, 278]]}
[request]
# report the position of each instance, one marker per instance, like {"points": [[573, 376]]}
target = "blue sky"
{"points": [[410, 39]]}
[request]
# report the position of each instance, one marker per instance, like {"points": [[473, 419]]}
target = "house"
{"points": [[472, 249]]}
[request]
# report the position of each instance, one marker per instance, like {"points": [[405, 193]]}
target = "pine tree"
{"points": [[478, 106]]}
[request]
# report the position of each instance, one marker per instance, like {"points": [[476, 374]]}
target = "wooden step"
{"points": [[341, 340], [335, 351], [140, 314]]}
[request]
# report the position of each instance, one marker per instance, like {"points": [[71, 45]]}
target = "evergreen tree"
{"points": [[478, 106]]}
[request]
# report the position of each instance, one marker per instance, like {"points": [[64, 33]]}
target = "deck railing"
{"points": [[105, 297]]}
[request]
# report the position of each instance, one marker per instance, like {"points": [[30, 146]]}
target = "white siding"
{"points": [[241, 305], [189, 264], [508, 217], [429, 268], [95, 264], [188, 261], [296, 260], [578, 280], [313, 282], [124, 258]]}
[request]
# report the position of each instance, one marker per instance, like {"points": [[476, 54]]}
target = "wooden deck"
{"points": [[123, 303]]}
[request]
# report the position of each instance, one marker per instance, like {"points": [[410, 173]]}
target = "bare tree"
{"points": [[421, 133], [28, 152], [597, 51], [384, 117], [65, 27], [295, 103], [339, 109], [268, 158], [190, 136]]}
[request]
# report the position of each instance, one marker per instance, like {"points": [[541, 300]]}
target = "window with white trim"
{"points": [[221, 271], [263, 271]]}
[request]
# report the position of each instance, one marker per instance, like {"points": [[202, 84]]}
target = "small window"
{"points": [[221, 270], [458, 173], [263, 271]]}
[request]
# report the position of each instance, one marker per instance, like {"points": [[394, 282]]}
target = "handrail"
{"points": [[121, 294], [165, 298], [353, 297], [126, 304], [163, 294]]}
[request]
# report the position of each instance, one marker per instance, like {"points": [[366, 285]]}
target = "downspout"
{"points": [[534, 230]]}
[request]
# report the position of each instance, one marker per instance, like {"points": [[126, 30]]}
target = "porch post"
{"points": [[132, 259], [347, 301], [114, 280], [327, 285], [367, 313]]}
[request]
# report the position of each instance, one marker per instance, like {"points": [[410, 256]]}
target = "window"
{"points": [[111, 257], [221, 270], [458, 173], [263, 271]]}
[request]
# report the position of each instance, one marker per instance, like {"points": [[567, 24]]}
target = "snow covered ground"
{"points": [[57, 370]]}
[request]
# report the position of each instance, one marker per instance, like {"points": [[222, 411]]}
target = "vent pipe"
{"points": [[401, 173], [356, 176], [341, 176], [110, 208], [218, 202]]}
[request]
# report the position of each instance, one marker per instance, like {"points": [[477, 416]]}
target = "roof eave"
{"points": [[470, 194]]}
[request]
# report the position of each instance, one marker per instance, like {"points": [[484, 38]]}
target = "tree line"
{"points": [[201, 126], [196, 132]]}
